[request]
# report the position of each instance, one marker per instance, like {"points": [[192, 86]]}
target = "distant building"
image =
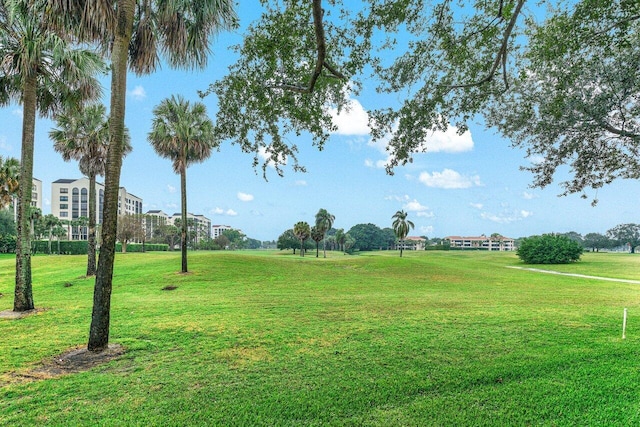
{"points": [[70, 201], [217, 230], [497, 243], [153, 220], [36, 198], [199, 225], [412, 243]]}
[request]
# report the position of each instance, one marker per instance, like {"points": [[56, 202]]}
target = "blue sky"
{"points": [[465, 185]]}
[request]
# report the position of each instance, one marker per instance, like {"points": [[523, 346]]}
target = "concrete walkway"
{"points": [[608, 279]]}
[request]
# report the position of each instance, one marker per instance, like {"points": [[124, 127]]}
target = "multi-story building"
{"points": [[153, 220], [199, 225], [36, 197], [491, 243], [217, 230], [70, 201], [128, 204], [412, 243]]}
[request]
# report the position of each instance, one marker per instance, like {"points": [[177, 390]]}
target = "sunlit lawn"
{"points": [[266, 338]]}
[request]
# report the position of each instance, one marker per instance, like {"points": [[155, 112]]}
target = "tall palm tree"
{"points": [[184, 134], [41, 70], [302, 231], [340, 238], [324, 222], [401, 226], [135, 32], [83, 135], [9, 177], [317, 235]]}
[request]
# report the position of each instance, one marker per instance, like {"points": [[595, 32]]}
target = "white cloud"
{"points": [[220, 211], [171, 189], [172, 206], [506, 217], [17, 112], [352, 120], [528, 196], [256, 213], [476, 205], [138, 93], [421, 210], [245, 197], [426, 229], [449, 179], [301, 183]]}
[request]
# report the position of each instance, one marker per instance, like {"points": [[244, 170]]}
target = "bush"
{"points": [[549, 249]]}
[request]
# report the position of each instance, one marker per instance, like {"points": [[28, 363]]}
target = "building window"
{"points": [[83, 203], [64, 206], [64, 191], [64, 198], [75, 203], [64, 214]]}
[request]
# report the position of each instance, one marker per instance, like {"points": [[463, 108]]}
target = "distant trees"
{"points": [[549, 249], [626, 234], [317, 235], [596, 241], [302, 231], [324, 222], [368, 237], [129, 229]]}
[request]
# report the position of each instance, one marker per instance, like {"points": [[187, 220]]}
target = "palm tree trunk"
{"points": [[99, 331], [183, 196], [91, 243], [23, 300]]}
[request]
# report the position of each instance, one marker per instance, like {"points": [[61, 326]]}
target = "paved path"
{"points": [[608, 279]]}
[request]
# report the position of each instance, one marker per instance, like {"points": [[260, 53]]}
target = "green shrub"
{"points": [[549, 249]]}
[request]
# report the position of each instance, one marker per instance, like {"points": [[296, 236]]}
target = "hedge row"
{"points": [[77, 247]]}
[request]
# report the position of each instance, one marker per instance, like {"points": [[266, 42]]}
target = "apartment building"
{"points": [[70, 201], [36, 197], [217, 230], [496, 243], [199, 225], [153, 220]]}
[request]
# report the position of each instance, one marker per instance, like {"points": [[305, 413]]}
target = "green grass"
{"points": [[262, 338]]}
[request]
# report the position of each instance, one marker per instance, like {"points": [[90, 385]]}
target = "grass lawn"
{"points": [[266, 338]]}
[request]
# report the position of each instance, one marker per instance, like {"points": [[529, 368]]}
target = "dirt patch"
{"points": [[74, 360], [10, 314], [170, 288]]}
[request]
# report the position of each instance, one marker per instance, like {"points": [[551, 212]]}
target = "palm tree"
{"points": [[302, 231], [340, 238], [401, 226], [135, 32], [324, 222], [184, 134], [83, 135], [41, 70], [9, 177], [317, 235]]}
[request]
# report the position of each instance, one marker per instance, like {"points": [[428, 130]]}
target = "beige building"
{"points": [[497, 243]]}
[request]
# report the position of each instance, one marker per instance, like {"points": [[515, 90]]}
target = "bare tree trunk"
{"points": [[23, 300], [91, 243], [99, 331], [183, 233]]}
